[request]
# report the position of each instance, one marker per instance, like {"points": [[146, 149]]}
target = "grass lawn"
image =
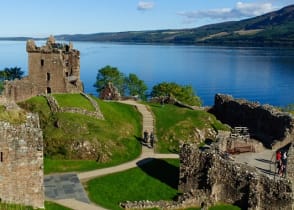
{"points": [[174, 124], [156, 180], [116, 137], [147, 182], [54, 206], [73, 100]]}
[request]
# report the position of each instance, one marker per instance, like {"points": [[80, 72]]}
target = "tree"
{"points": [[11, 73], [135, 86], [184, 93], [110, 74]]}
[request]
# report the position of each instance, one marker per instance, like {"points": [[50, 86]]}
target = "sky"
{"points": [[41, 18]]}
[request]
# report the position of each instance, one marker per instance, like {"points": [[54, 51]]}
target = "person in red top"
{"points": [[279, 162]]}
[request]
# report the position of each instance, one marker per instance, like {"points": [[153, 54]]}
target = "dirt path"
{"points": [[263, 161]]}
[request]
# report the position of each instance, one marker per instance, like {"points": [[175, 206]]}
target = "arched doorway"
{"points": [[48, 90]]}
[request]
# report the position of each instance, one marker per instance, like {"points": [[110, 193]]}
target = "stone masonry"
{"points": [[269, 125], [53, 68], [21, 161], [209, 177]]}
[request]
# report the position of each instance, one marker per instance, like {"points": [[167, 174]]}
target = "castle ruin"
{"points": [[273, 128], [21, 156], [210, 175], [53, 68]]}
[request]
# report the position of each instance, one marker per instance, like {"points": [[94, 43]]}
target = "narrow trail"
{"points": [[147, 155]]}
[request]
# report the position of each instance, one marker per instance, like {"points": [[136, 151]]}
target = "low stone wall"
{"points": [[54, 106], [265, 123], [207, 176]]}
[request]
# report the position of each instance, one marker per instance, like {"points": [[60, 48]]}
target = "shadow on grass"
{"points": [[139, 139], [161, 170]]}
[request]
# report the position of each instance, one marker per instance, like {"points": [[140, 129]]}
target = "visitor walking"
{"points": [[284, 163], [152, 139], [146, 136], [279, 161]]}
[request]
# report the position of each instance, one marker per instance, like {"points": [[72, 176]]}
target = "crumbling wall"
{"points": [[21, 162], [53, 68], [207, 176], [265, 123]]}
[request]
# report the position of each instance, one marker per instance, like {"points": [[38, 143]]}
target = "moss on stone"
{"points": [[14, 116]]}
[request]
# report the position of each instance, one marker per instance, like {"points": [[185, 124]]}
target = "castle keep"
{"points": [[53, 68]]}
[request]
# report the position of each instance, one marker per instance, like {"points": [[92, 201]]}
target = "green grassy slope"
{"points": [[174, 124], [115, 138]]}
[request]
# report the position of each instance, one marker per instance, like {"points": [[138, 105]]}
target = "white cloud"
{"points": [[253, 9], [144, 5], [241, 10]]}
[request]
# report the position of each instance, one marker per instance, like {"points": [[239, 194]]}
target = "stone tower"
{"points": [[53, 68]]}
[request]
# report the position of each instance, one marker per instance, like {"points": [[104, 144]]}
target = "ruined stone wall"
{"points": [[19, 90], [53, 68], [207, 176], [21, 162], [265, 123]]}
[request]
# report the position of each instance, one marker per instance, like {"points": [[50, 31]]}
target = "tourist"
{"points": [[151, 139], [284, 162], [146, 136], [279, 161]]}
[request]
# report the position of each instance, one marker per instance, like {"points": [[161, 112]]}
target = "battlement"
{"points": [[51, 47]]}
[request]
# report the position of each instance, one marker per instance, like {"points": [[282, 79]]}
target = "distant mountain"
{"points": [[274, 28], [271, 29]]}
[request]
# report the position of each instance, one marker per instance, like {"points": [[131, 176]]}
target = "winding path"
{"points": [[147, 155]]}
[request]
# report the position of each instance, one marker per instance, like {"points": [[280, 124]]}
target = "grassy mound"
{"points": [[114, 139], [174, 124]]}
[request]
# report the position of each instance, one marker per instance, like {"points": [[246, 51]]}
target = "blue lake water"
{"points": [[265, 75]]}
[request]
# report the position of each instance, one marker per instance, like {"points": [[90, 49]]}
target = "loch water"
{"points": [[259, 74]]}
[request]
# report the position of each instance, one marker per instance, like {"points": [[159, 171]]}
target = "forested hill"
{"points": [[271, 29], [274, 28]]}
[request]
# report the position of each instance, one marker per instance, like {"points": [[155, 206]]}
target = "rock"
{"points": [[109, 92]]}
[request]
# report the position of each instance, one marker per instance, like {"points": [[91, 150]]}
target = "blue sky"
{"points": [[41, 18]]}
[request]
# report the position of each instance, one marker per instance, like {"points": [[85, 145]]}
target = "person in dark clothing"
{"points": [[146, 136], [152, 139]]}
